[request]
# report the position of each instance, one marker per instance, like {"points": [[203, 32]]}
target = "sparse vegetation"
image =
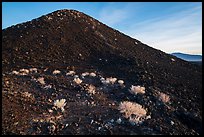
{"points": [[71, 73], [163, 97], [133, 111], [41, 80], [56, 72], [60, 104], [137, 90], [77, 81]]}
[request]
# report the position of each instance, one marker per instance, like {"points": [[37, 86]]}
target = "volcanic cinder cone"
{"points": [[69, 40]]}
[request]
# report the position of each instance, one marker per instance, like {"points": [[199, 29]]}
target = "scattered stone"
{"points": [[173, 59], [172, 123], [92, 121], [119, 120], [48, 86]]}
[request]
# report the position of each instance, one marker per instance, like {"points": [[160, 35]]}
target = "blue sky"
{"points": [[167, 26]]}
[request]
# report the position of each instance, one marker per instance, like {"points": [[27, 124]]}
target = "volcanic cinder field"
{"points": [[65, 73]]}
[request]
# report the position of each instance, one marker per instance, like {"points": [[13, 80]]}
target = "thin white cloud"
{"points": [[115, 13], [177, 32], [112, 17]]}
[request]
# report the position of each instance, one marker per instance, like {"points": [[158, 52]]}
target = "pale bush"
{"points": [[60, 104], [56, 72], [112, 80], [92, 74], [104, 81], [108, 80], [23, 72], [76, 76], [70, 73], [77, 81], [133, 111], [47, 86], [121, 82], [33, 70], [91, 89], [137, 90], [26, 94], [41, 80], [85, 74], [15, 72], [163, 97]]}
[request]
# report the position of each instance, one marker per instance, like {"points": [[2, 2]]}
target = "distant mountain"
{"points": [[187, 57]]}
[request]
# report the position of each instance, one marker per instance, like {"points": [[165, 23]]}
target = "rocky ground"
{"points": [[69, 55]]}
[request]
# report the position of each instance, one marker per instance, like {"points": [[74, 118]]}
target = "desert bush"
{"points": [[137, 90], [15, 72], [70, 73], [56, 72], [92, 74], [33, 70], [163, 97], [133, 111], [41, 80], [26, 94], [91, 89], [85, 74], [121, 82], [77, 81], [60, 104], [23, 72], [108, 80]]}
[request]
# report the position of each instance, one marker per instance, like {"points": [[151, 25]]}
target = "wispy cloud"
{"points": [[175, 28], [113, 14], [179, 31]]}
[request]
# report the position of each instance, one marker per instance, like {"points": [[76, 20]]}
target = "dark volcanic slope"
{"points": [[68, 39]]}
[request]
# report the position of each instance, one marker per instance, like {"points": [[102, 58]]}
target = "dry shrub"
{"points": [[60, 103], [137, 90], [56, 72], [133, 111], [41, 80], [77, 81], [163, 97], [91, 89]]}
